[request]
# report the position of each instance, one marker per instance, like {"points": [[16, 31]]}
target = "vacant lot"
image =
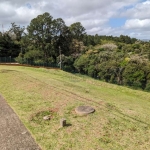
{"points": [[121, 120]]}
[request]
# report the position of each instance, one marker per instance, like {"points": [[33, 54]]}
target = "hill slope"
{"points": [[121, 120]]}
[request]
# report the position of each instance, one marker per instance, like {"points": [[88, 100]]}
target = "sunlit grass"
{"points": [[121, 120]]}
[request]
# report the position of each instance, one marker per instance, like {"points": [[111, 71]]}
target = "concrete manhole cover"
{"points": [[84, 110]]}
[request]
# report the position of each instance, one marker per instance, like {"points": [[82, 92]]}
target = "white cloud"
{"points": [[138, 20], [24, 14], [93, 15], [20, 14], [138, 24], [6, 10], [140, 11]]}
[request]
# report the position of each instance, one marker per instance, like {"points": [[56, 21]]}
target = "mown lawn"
{"points": [[121, 120]]}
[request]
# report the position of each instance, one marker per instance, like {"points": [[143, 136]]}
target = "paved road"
{"points": [[13, 134]]}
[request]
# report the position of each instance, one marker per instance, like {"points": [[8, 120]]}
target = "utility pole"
{"points": [[21, 56], [60, 57], [2, 28]]}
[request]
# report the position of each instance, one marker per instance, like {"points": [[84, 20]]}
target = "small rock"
{"points": [[24, 132], [46, 117]]}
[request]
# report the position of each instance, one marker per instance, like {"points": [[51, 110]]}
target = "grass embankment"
{"points": [[121, 120]]}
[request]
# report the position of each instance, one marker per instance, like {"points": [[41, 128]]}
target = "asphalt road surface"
{"points": [[13, 134]]}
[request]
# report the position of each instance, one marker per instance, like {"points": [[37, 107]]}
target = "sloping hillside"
{"points": [[121, 120]]}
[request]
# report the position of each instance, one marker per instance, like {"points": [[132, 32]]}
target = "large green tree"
{"points": [[41, 34], [8, 47], [77, 31], [49, 35], [16, 32]]}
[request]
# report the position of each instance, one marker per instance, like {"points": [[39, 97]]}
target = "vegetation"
{"points": [[119, 60], [123, 65], [121, 120]]}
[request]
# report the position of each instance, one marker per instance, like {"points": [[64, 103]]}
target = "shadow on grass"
{"points": [[68, 125]]}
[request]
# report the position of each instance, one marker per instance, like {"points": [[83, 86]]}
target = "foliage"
{"points": [[8, 47], [114, 64], [121, 60]]}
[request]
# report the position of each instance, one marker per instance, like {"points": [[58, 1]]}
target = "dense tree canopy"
{"points": [[121, 60]]}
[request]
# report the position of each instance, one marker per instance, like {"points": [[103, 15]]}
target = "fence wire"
{"points": [[11, 60]]}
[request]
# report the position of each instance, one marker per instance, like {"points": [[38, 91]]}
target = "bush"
{"points": [[20, 59], [147, 88], [91, 71]]}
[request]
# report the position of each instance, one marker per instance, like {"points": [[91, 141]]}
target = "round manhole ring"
{"points": [[84, 110]]}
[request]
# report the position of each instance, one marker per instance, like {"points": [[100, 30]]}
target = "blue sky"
{"points": [[117, 22], [109, 17], [29, 5]]}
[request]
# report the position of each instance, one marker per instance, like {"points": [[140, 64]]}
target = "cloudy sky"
{"points": [[104, 17]]}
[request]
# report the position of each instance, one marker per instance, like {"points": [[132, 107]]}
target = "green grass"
{"points": [[121, 120]]}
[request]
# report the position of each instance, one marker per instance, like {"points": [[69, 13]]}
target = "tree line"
{"points": [[120, 60]]}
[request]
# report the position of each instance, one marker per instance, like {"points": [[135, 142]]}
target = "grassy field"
{"points": [[121, 120]]}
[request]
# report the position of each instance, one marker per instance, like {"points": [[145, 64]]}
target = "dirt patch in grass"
{"points": [[37, 117]]}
